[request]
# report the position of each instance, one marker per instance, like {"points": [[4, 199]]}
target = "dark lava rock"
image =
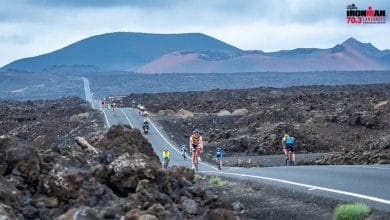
{"points": [[321, 118], [20, 157], [46, 174]]}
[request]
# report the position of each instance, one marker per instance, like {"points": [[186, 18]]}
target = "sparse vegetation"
{"points": [[356, 211], [216, 181]]}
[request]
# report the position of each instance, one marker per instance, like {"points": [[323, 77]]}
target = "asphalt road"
{"points": [[368, 184]]}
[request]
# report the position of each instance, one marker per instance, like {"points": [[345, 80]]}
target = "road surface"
{"points": [[368, 184]]}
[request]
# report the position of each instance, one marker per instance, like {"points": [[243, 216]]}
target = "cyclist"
{"points": [[145, 114], [218, 157], [165, 157], [113, 106], [183, 150], [196, 143], [288, 146]]}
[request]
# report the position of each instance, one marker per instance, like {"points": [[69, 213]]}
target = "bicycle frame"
{"points": [[195, 155]]}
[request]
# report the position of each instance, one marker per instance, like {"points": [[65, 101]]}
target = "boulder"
{"points": [[121, 139], [190, 206], [128, 170], [79, 117], [240, 112], [49, 202], [147, 217], [224, 113], [6, 212], [237, 206], [20, 157], [82, 213], [134, 214], [182, 113], [221, 214], [9, 195], [63, 182], [167, 112]]}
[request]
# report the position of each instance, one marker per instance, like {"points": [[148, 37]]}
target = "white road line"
{"points": [[127, 118], [366, 167], [105, 116], [310, 187], [174, 148]]}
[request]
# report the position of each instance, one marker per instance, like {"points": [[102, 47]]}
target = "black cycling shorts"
{"points": [[290, 147], [218, 156], [194, 147]]}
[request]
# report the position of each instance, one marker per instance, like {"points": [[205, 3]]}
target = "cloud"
{"points": [[33, 27]]}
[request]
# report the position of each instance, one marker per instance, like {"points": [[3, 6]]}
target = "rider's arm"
{"points": [[190, 144], [201, 142]]}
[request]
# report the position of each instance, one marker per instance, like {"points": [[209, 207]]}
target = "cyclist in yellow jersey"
{"points": [[165, 157]]}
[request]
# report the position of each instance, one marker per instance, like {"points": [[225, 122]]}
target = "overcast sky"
{"points": [[33, 27]]}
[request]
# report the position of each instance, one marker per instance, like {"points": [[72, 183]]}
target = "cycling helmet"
{"points": [[196, 131]]}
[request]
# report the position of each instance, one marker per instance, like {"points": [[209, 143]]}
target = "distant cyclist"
{"points": [[288, 146], [145, 115], [183, 150], [165, 157], [196, 145], [113, 106], [218, 157]]}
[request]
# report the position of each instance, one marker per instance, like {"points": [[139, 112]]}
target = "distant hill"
{"points": [[351, 55], [198, 53], [120, 51]]}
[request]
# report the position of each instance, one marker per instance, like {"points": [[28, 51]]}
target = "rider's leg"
{"points": [[193, 154], [293, 156], [285, 152]]}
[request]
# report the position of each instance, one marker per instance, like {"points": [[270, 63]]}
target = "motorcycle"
{"points": [[146, 129]]}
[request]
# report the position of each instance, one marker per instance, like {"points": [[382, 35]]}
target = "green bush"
{"points": [[216, 181], [357, 211]]}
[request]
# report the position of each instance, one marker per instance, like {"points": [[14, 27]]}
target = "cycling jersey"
{"points": [[165, 154], [195, 139], [218, 152]]}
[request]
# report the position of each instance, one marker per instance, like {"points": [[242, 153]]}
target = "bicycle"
{"points": [[196, 153], [218, 157], [219, 163], [165, 163], [289, 161], [184, 155]]}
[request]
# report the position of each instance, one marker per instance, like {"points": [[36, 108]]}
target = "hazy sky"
{"points": [[33, 27]]}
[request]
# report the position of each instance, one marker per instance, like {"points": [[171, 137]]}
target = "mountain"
{"points": [[120, 51], [350, 55], [198, 53]]}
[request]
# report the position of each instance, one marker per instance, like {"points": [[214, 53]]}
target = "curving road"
{"points": [[368, 184]]}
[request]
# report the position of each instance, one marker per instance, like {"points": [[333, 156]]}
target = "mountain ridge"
{"points": [[200, 53]]}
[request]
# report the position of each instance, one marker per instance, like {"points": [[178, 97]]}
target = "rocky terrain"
{"points": [[56, 162], [352, 122]]}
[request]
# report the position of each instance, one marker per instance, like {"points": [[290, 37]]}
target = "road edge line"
{"points": [[372, 198], [127, 118]]}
